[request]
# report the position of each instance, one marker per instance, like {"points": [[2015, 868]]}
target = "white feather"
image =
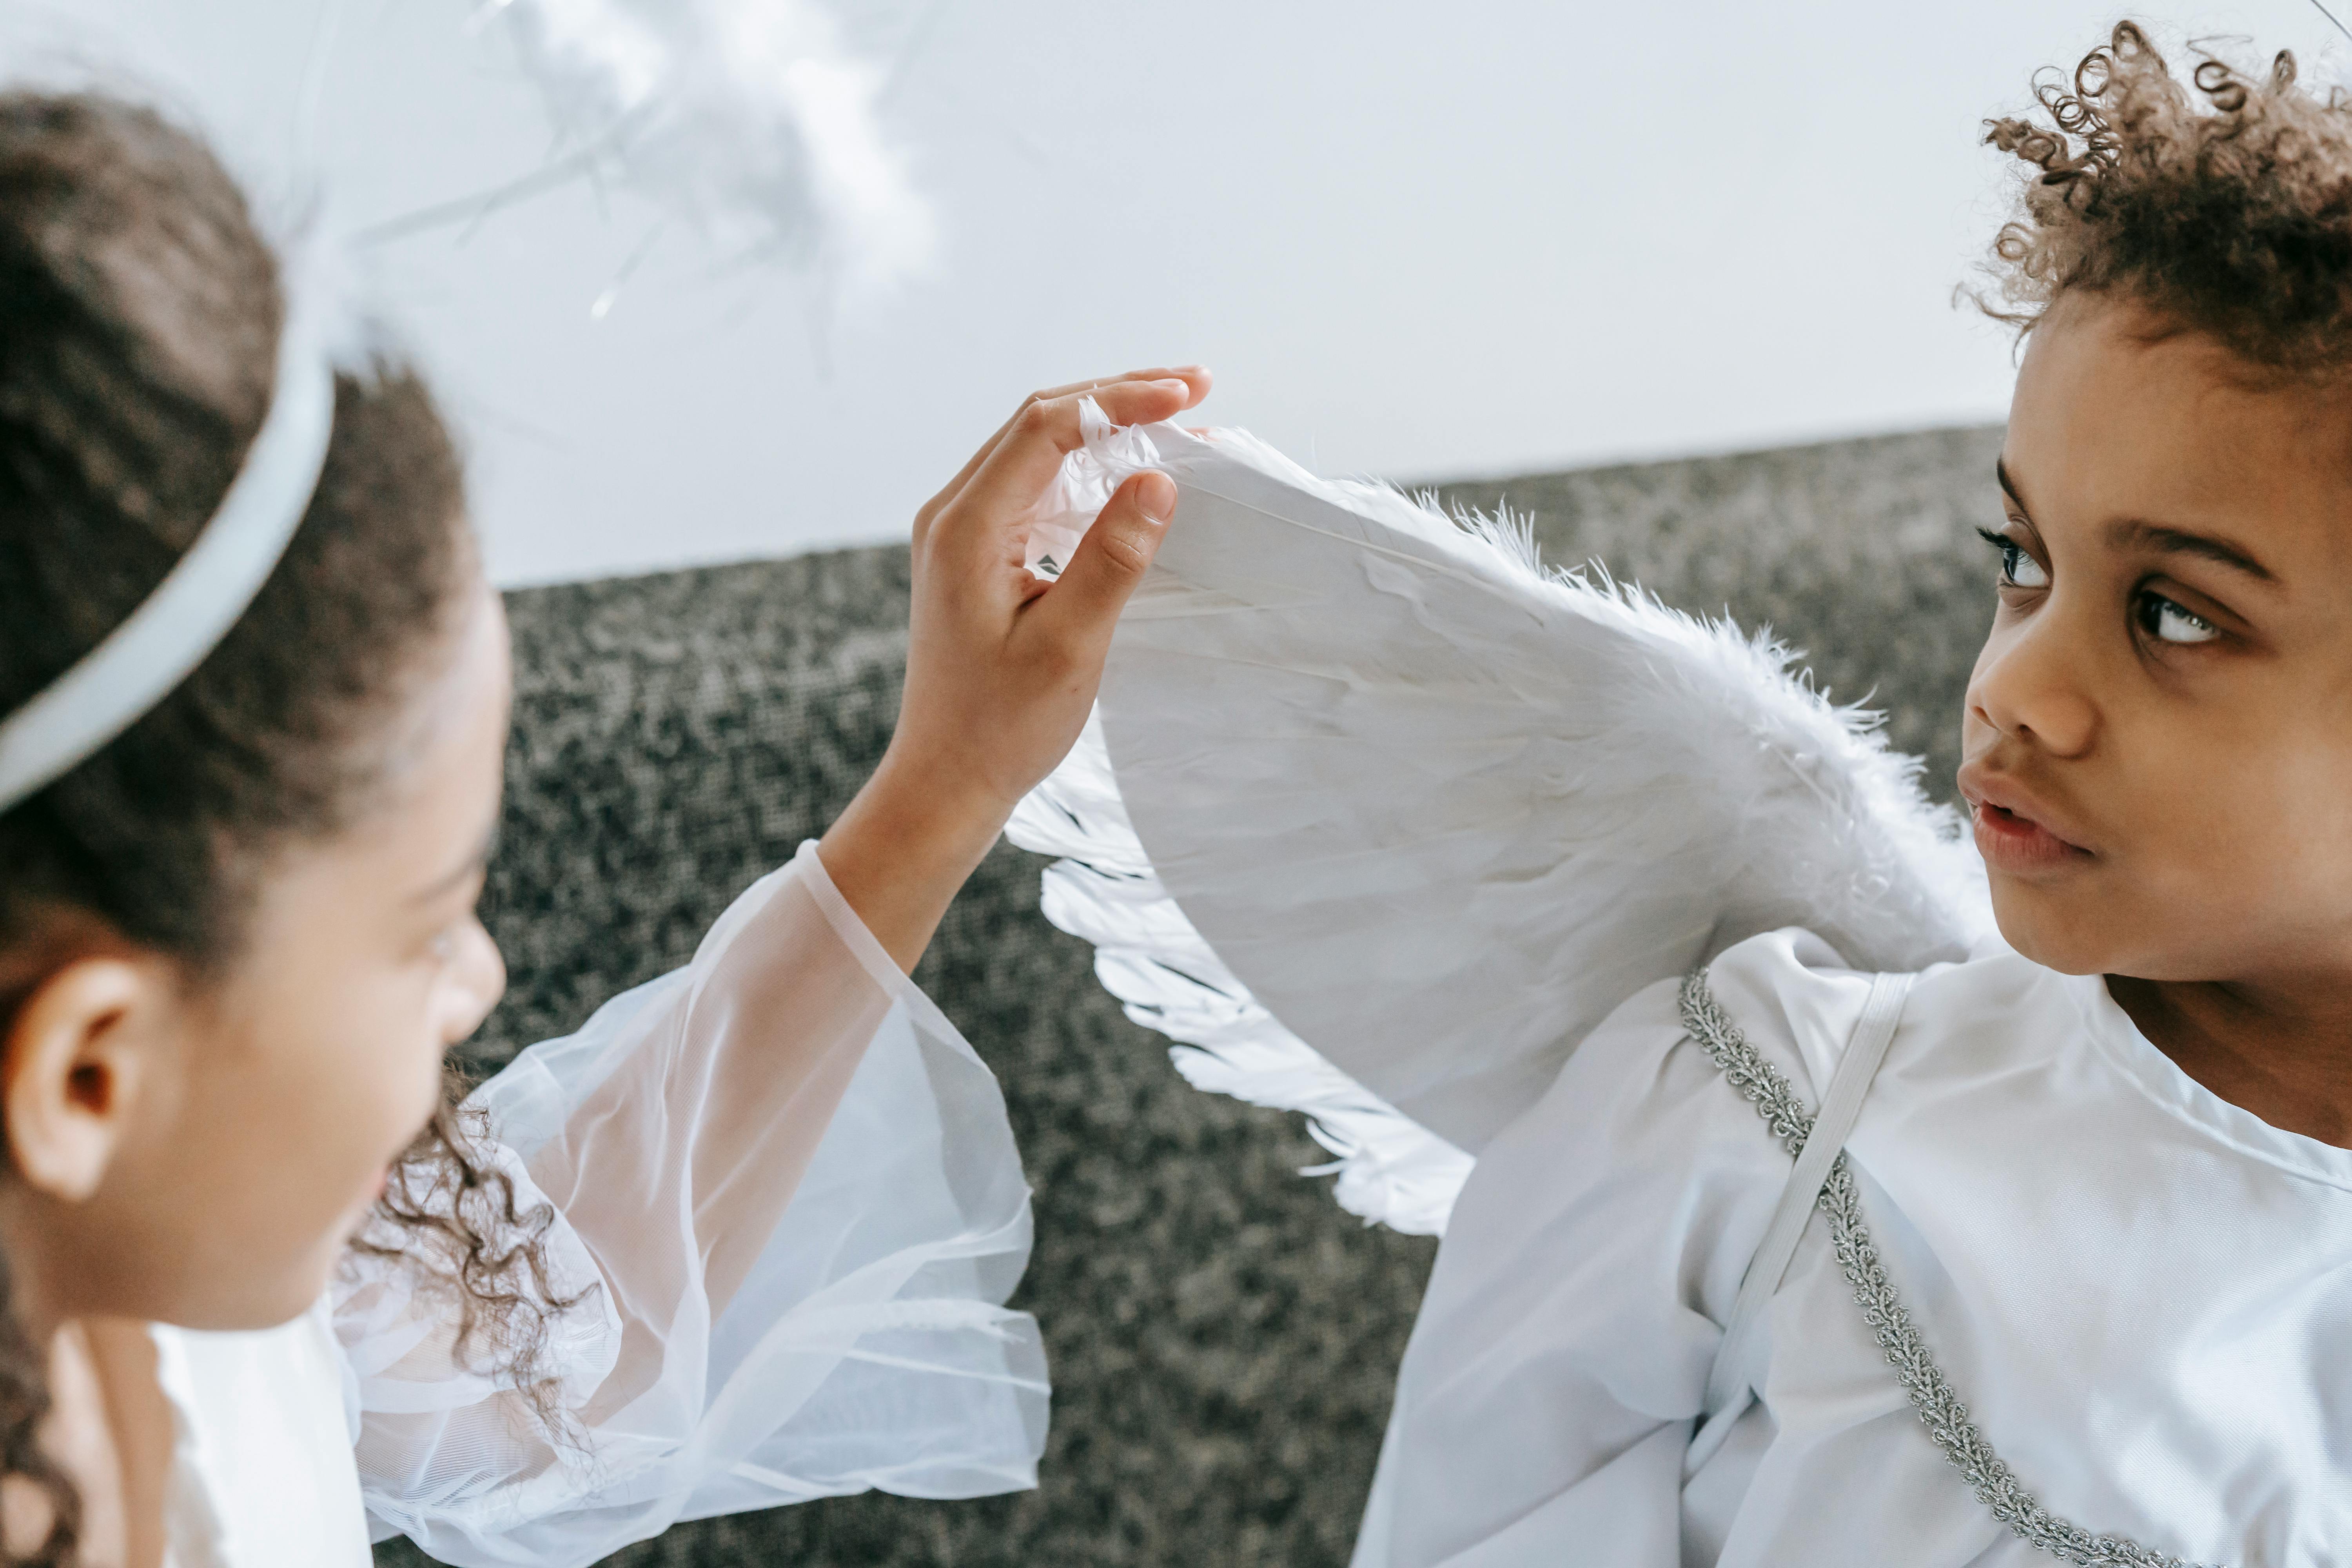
{"points": [[752, 118], [1148, 955], [1380, 819]]}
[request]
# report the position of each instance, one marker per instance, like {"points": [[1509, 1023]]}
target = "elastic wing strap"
{"points": [[1727, 1390]]}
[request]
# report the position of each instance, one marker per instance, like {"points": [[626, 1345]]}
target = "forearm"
{"points": [[904, 846], [717, 1096]]}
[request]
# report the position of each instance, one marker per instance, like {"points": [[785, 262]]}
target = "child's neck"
{"points": [[2283, 1052], [109, 1425]]}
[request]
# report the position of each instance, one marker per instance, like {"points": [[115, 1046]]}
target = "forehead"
{"points": [[444, 769], [2111, 420], [451, 762]]}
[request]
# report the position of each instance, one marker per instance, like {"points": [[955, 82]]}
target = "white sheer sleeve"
{"points": [[786, 1193]]}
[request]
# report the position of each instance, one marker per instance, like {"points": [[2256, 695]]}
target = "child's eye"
{"points": [[2019, 569], [2162, 619]]}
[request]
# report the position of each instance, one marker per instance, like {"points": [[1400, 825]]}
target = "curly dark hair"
{"points": [[140, 308], [2222, 202]]}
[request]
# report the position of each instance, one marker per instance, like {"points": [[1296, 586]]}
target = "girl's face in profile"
{"points": [[2158, 731], [249, 1124]]}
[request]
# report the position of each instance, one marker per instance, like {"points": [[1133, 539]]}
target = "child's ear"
{"points": [[70, 1071]]}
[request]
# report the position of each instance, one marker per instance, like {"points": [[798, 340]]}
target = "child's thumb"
{"points": [[1112, 558]]}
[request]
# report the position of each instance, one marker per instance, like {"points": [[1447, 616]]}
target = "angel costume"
{"points": [[1788, 1217], [782, 1205], [786, 1192]]}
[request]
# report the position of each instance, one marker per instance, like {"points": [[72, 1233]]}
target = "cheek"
{"points": [[363, 1043], [2245, 829], [2292, 809], [347, 1096], [394, 1079]]}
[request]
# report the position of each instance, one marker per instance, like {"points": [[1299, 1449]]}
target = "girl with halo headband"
{"points": [[1802, 1204], [253, 702]]}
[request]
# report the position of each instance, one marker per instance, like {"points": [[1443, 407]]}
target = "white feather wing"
{"points": [[1378, 820]]}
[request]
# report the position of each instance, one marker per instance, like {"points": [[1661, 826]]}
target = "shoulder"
{"points": [[1640, 1090], [1640, 1180], [1796, 1002], [1643, 1145]]}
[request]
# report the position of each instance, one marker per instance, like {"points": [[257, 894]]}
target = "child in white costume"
{"points": [[1811, 1214], [744, 1240]]}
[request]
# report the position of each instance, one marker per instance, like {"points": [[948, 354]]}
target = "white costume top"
{"points": [[791, 1188], [2143, 1293], [1382, 823]]}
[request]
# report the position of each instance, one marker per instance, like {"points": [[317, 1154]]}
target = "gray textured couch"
{"points": [[1223, 1337]]}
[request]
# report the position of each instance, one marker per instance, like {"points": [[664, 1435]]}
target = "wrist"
{"points": [[934, 809], [905, 846]]}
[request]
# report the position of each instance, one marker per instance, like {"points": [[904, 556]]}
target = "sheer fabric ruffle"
{"points": [[789, 1204]]}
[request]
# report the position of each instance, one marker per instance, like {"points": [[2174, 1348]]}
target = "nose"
{"points": [[2028, 685], [478, 978]]}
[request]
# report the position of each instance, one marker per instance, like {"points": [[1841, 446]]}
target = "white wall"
{"points": [[1412, 239]]}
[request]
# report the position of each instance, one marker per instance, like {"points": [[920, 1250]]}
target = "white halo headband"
{"points": [[115, 684]]}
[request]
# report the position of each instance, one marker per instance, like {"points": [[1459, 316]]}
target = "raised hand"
{"points": [[1002, 667]]}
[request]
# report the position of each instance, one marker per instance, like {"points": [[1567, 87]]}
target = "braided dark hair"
{"points": [[139, 309]]}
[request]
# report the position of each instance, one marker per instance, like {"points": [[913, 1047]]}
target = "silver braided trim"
{"points": [[1930, 1393]]}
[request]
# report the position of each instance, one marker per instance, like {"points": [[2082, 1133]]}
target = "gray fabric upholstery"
{"points": [[1224, 1339]]}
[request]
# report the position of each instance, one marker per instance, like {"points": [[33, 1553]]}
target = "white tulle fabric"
{"points": [[788, 1190]]}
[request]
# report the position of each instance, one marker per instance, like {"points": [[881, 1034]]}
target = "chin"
{"points": [[2056, 932], [296, 1294], [292, 1288], [265, 1304]]}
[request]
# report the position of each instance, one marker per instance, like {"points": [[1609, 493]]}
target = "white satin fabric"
{"points": [[788, 1190], [261, 1470], [2143, 1294]]}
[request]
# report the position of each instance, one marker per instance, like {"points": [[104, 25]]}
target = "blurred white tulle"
{"points": [[753, 120]]}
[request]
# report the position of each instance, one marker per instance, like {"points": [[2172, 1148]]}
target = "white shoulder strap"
{"points": [[1727, 1390]]}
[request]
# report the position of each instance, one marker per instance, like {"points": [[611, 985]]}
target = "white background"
{"points": [[1414, 239]]}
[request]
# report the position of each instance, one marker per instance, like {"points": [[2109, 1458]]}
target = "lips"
{"points": [[2015, 831]]}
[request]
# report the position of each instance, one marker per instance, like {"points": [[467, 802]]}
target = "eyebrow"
{"points": [[2135, 531], [2007, 485], [2180, 541], [478, 860]]}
